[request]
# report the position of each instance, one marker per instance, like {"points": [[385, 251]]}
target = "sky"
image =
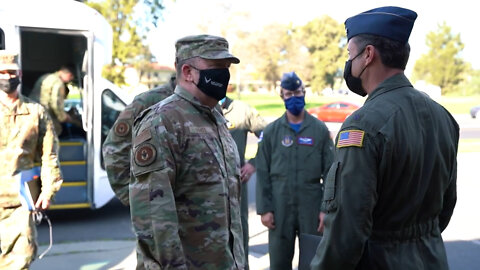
{"points": [[182, 17]]}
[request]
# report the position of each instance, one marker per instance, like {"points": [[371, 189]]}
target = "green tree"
{"points": [[128, 33], [325, 40], [265, 51], [442, 65], [471, 84]]}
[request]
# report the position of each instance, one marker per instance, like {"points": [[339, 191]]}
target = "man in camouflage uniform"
{"points": [[50, 90], [242, 119], [118, 144], [27, 134], [294, 155], [392, 187], [185, 194]]}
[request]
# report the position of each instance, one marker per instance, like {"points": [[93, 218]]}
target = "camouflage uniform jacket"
{"points": [[50, 91], [185, 193], [117, 146], [26, 135]]}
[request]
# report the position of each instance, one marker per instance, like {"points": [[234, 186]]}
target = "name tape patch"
{"points": [[305, 141]]}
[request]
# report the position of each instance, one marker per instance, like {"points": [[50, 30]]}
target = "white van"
{"points": [[51, 33]]}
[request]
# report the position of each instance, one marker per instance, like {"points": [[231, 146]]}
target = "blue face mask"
{"points": [[295, 105]]}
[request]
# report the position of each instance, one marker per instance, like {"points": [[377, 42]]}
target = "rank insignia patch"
{"points": [[350, 138]]}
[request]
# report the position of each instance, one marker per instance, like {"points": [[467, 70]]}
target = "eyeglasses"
{"points": [[297, 93]]}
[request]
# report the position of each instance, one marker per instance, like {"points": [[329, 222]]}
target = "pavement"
{"points": [[119, 255]]}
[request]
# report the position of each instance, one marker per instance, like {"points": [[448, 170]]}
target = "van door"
{"points": [[44, 51]]}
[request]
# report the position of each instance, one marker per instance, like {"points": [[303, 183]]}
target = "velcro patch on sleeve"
{"points": [[143, 136], [145, 155], [122, 128], [349, 138], [126, 114]]}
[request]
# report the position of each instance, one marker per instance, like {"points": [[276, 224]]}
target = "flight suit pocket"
{"points": [[330, 185]]}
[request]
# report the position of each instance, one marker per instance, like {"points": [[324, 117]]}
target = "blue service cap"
{"points": [[290, 81], [391, 22]]}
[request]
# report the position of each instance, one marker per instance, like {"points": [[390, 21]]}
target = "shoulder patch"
{"points": [[122, 128], [145, 155], [352, 137], [260, 138]]}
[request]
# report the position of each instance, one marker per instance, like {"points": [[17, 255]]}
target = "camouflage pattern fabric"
{"points": [[18, 238], [50, 91], [204, 46], [27, 135], [185, 194], [117, 146]]}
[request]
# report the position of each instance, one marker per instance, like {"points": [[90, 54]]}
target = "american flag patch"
{"points": [[350, 138]]}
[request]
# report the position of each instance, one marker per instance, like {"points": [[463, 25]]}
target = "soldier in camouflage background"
{"points": [[185, 194], [117, 146], [27, 134], [50, 91], [242, 119]]}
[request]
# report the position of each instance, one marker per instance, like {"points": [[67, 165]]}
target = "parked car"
{"points": [[475, 112], [334, 112]]}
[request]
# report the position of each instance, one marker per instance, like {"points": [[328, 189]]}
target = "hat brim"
{"points": [[221, 55]]}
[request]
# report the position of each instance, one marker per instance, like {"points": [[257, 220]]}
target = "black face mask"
{"points": [[354, 83], [10, 85], [214, 82]]}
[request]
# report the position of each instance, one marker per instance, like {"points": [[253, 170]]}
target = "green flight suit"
{"points": [[290, 169], [392, 187], [242, 119]]}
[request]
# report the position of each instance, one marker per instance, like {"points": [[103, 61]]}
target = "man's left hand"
{"points": [[246, 171], [321, 225], [42, 202]]}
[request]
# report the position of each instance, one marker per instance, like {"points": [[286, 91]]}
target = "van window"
{"points": [[112, 106], [2, 40]]}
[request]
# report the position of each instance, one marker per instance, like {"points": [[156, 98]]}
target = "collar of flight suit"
{"points": [[389, 84], [307, 120], [215, 112]]}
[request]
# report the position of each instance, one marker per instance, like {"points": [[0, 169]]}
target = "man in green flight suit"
{"points": [[295, 153], [185, 191], [27, 135], [242, 119], [392, 187]]}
